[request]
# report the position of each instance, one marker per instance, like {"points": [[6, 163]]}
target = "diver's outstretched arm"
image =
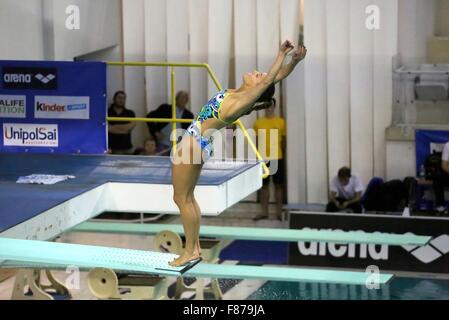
{"points": [[241, 102], [284, 50], [285, 71]]}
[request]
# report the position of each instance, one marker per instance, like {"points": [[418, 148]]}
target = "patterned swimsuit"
{"points": [[209, 110]]}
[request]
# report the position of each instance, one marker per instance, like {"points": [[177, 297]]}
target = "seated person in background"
{"points": [[119, 132], [345, 192], [161, 130], [150, 148], [440, 181]]}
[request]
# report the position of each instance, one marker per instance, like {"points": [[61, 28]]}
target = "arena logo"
{"points": [[30, 135], [45, 79], [12, 106], [17, 78], [29, 78], [61, 107], [338, 250], [436, 249]]}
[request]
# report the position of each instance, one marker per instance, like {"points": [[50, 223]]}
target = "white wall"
{"points": [[245, 44], [401, 166], [442, 18], [348, 92], [385, 47], [35, 30], [99, 27], [338, 84], [361, 82], [415, 26], [268, 37], [155, 21], [198, 35], [134, 77], [219, 41], [21, 30], [294, 106], [315, 100], [178, 41]]}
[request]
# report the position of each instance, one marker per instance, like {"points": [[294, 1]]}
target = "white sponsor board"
{"points": [[30, 135], [12, 106], [60, 107]]}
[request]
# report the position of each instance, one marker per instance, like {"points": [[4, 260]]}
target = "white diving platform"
{"points": [[109, 183]]}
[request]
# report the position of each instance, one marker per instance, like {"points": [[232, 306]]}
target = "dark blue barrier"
{"points": [[424, 140]]}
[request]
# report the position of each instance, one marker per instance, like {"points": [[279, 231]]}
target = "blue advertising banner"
{"points": [[53, 107], [428, 141]]}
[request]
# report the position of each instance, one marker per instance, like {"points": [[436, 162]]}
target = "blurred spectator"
{"points": [[150, 148], [119, 132], [265, 124], [161, 130], [345, 192], [440, 181]]}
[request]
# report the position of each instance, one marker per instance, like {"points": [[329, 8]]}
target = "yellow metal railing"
{"points": [[173, 119]]}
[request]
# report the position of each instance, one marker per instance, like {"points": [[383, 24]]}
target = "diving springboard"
{"points": [[284, 274], [262, 234], [41, 254], [33, 253]]}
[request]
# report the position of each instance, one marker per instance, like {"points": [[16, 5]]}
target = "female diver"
{"points": [[224, 108]]}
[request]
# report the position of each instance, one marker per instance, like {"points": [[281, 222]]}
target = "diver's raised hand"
{"points": [[299, 54], [286, 47]]}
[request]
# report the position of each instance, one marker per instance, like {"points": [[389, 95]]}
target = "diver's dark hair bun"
{"points": [[267, 95]]}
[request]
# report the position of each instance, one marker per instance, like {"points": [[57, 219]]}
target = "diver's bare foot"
{"points": [[197, 251], [184, 259]]}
